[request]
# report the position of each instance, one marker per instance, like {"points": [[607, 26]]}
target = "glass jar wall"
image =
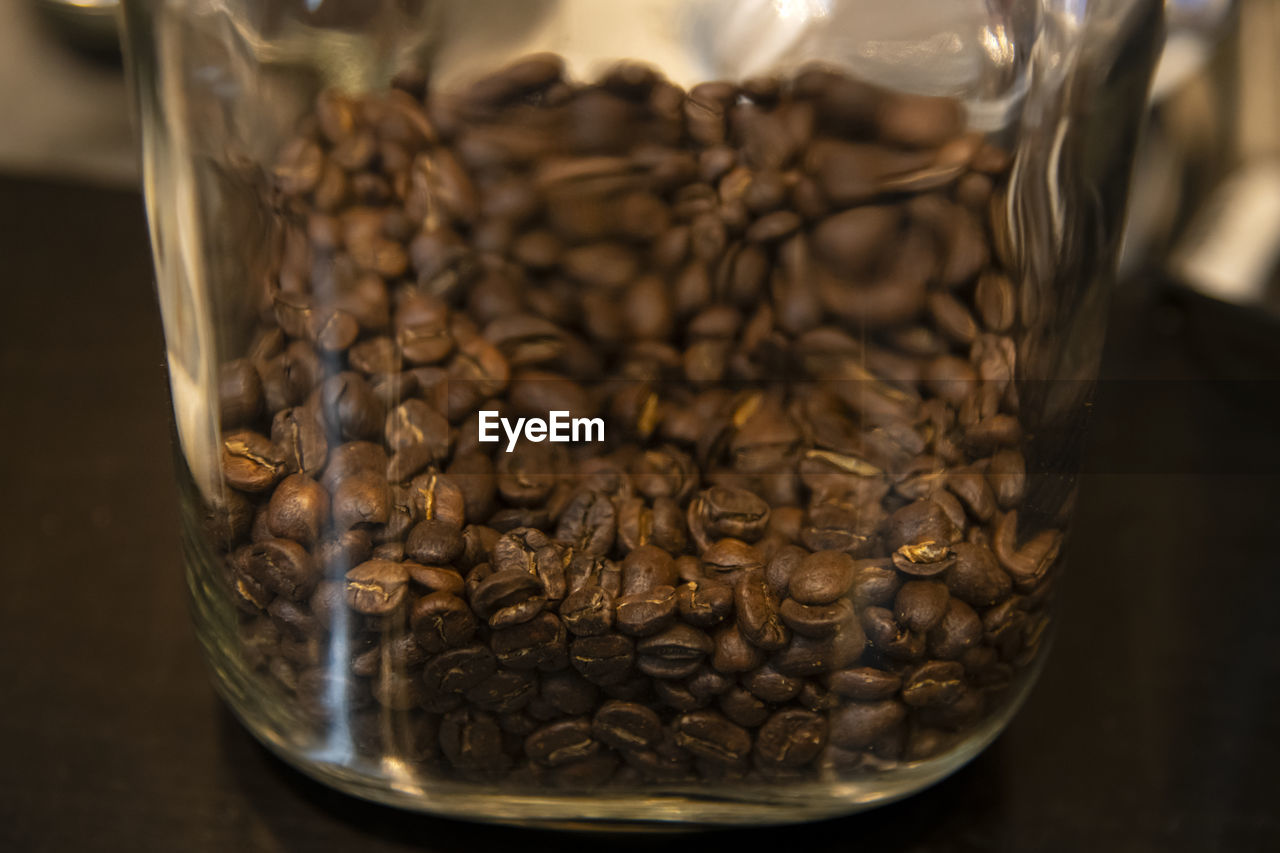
{"points": [[637, 412]]}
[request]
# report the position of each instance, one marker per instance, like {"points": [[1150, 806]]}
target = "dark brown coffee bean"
{"points": [[249, 461], [350, 408], [434, 542], [298, 509], [362, 498], [933, 684], [704, 603], [791, 738], [504, 589], [645, 568], [859, 725], [772, 686], [817, 620], [884, 632], [458, 670], [277, 566], [1007, 474], [562, 742], [589, 522], [676, 652], [822, 578], [757, 612], [588, 611], [959, 631], [851, 241], [529, 550], [721, 512], [603, 660], [539, 643], [976, 578], [626, 725], [239, 393], [377, 587], [920, 605], [643, 613], [472, 740], [865, 683], [299, 441], [708, 735], [504, 692]]}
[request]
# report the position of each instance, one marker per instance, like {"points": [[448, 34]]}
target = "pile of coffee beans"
{"points": [[797, 550]]}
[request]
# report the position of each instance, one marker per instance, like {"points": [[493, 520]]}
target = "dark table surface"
{"points": [[1156, 725]]}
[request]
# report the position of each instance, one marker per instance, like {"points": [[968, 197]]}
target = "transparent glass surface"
{"points": [[637, 413]]}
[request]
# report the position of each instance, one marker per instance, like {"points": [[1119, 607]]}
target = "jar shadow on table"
{"points": [[301, 814]]}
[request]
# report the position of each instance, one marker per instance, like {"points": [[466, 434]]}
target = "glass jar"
{"points": [[639, 412]]}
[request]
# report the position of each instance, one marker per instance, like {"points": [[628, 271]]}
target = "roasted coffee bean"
{"points": [[363, 498], [865, 683], [976, 578], [603, 660], [377, 587], [588, 611], [886, 635], [250, 462], [436, 578], [757, 612], [772, 686], [560, 743], [817, 620], [538, 643], [299, 441], [643, 613], [472, 740], [708, 735], [959, 630], [350, 408], [859, 725], [920, 605], [530, 550], [791, 738], [434, 542], [933, 684], [720, 512], [626, 726], [589, 522], [503, 692], [821, 578], [704, 603], [676, 652], [298, 509], [239, 393], [504, 589]]}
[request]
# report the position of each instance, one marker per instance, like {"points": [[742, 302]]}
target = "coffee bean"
{"points": [[959, 630], [822, 578], [298, 509], [377, 587], [643, 613], [865, 683], [708, 735], [757, 609], [920, 605], [859, 725], [791, 738], [249, 461], [603, 660], [239, 393], [933, 684], [704, 603]]}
